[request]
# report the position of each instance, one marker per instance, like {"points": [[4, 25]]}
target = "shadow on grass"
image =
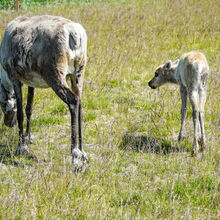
{"points": [[142, 143], [7, 157]]}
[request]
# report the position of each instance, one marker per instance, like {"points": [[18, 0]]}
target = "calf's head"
{"points": [[161, 75]]}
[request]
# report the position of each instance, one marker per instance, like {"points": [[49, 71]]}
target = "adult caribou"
{"points": [[42, 52]]}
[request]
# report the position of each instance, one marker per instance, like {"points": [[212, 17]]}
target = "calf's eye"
{"points": [[156, 74]]}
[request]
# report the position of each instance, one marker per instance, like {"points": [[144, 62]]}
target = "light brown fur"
{"points": [[191, 73]]}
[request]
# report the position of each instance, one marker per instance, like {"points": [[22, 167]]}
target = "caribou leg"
{"points": [[194, 99], [183, 93], [28, 111], [60, 87], [22, 145]]}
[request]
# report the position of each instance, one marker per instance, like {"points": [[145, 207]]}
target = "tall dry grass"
{"points": [[137, 169]]}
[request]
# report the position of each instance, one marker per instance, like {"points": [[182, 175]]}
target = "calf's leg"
{"points": [[183, 93], [194, 99], [202, 100]]}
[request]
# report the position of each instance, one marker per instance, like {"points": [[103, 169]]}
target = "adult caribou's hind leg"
{"points": [[22, 145], [28, 111]]}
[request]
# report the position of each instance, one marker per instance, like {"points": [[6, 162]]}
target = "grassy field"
{"points": [[137, 168]]}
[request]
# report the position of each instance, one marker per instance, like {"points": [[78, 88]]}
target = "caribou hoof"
{"points": [[203, 145], [79, 158], [198, 155], [29, 139], [194, 153], [22, 150], [204, 148]]}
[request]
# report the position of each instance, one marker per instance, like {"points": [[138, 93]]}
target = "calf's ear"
{"points": [[167, 65]]}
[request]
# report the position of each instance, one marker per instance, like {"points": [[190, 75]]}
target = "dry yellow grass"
{"points": [[127, 40]]}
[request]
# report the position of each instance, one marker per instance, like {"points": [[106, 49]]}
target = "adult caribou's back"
{"points": [[41, 51]]}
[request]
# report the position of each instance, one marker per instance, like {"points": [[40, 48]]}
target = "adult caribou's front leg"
{"points": [[73, 101], [76, 85], [28, 111], [80, 114], [22, 145]]}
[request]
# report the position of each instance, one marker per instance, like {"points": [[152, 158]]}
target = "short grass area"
{"points": [[137, 168]]}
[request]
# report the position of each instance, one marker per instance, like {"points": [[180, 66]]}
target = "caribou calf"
{"points": [[191, 73], [42, 52]]}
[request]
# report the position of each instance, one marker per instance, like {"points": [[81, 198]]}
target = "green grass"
{"points": [[27, 4], [137, 168]]}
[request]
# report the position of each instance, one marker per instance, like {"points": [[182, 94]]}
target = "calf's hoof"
{"points": [[22, 150], [203, 145], [197, 155], [79, 158], [194, 153], [204, 148]]}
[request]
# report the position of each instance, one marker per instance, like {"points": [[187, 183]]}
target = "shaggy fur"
{"points": [[42, 51]]}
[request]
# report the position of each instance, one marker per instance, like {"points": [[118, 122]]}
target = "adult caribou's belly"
{"points": [[33, 79]]}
